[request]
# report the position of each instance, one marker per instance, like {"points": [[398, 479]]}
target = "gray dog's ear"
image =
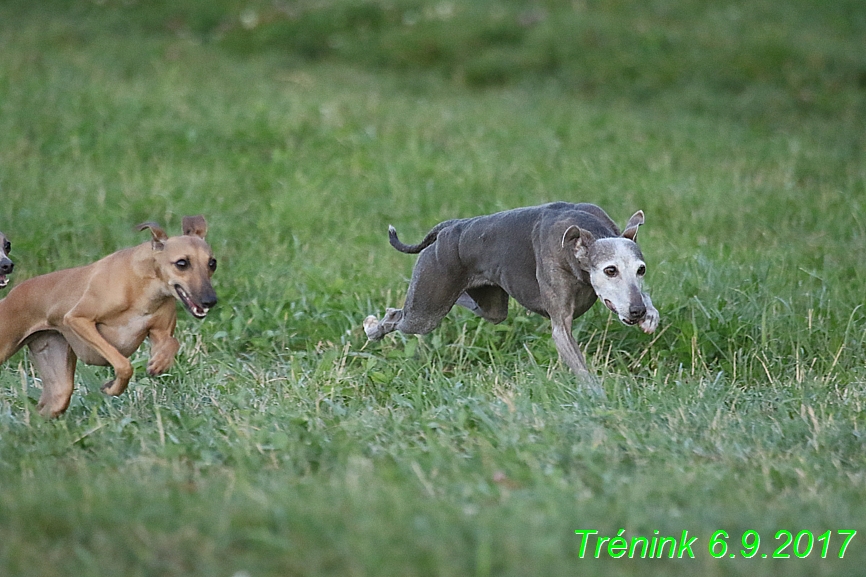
{"points": [[195, 226], [158, 236], [575, 238], [577, 241], [632, 225]]}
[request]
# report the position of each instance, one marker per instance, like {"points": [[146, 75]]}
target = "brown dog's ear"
{"points": [[632, 225], [195, 226], [158, 235]]}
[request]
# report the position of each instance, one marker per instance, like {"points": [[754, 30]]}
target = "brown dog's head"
{"points": [[6, 265], [185, 263]]}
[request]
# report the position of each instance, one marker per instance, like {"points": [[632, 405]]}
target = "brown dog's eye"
{"points": [[610, 271], [641, 270], [211, 264], [182, 264]]}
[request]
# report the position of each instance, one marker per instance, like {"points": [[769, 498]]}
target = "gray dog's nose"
{"points": [[6, 266], [637, 311]]}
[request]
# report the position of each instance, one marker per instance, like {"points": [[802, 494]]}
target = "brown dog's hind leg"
{"points": [[54, 360]]}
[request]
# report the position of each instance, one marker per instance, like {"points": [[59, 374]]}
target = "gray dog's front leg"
{"points": [[571, 355], [567, 347], [651, 320]]}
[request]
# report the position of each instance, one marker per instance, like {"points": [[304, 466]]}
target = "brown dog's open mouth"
{"points": [[194, 308]]}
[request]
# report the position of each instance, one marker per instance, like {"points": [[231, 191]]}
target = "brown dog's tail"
{"points": [[416, 248]]}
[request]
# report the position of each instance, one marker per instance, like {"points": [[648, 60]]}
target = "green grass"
{"points": [[281, 444]]}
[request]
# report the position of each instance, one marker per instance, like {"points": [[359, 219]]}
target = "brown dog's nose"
{"points": [[209, 300]]}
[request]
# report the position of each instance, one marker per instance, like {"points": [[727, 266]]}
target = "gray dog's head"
{"points": [[616, 268], [6, 265]]}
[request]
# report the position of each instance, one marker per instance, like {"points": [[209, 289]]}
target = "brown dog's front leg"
{"points": [[163, 345], [85, 329], [163, 348]]}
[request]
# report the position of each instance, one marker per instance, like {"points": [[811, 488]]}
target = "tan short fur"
{"points": [[102, 312]]}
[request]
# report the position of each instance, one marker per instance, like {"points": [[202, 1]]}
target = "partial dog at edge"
{"points": [[554, 259], [6, 265], [102, 312]]}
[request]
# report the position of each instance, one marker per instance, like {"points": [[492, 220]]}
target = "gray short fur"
{"points": [[546, 257]]}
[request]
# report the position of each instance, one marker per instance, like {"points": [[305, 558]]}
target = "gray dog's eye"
{"points": [[641, 270], [610, 271], [182, 264], [7, 247]]}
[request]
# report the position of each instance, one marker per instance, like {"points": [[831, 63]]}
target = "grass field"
{"points": [[280, 443]]}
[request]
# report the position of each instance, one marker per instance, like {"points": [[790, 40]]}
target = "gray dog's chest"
{"points": [[517, 250]]}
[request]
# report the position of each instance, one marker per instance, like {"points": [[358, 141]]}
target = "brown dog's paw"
{"points": [[52, 410], [114, 387], [159, 365], [162, 355]]}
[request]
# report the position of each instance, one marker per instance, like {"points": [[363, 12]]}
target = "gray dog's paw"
{"points": [[371, 327], [650, 322]]}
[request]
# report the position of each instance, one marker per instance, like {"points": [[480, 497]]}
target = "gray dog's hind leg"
{"points": [[488, 302], [401, 320], [437, 281], [377, 329]]}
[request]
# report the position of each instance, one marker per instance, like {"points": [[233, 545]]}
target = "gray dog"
{"points": [[6, 265], [554, 259]]}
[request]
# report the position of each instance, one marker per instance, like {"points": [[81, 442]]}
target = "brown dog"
{"points": [[102, 312], [6, 265]]}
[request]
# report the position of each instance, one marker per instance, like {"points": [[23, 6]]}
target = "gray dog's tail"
{"points": [[416, 248]]}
